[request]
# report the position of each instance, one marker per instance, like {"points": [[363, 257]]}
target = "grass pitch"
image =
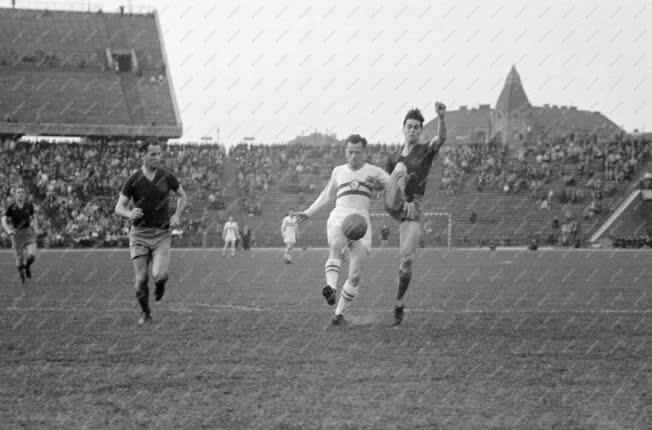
{"points": [[506, 339]]}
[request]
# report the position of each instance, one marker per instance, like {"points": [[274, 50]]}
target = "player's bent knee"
{"points": [[405, 267], [141, 279], [160, 277]]}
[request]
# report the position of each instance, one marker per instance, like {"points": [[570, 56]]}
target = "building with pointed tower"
{"points": [[516, 122]]}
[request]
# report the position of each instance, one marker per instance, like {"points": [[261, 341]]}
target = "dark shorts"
{"points": [[21, 238], [394, 199], [145, 241]]}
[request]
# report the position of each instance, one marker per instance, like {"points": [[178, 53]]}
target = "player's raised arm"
{"points": [[329, 192], [440, 138], [182, 201]]}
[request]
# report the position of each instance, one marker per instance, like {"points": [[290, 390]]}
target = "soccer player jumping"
{"points": [[22, 232], [409, 167], [149, 237], [351, 185]]}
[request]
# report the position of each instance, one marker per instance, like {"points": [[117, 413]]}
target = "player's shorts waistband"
{"points": [[149, 232], [339, 210]]}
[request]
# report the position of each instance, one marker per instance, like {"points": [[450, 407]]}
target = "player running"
{"points": [[289, 232], [22, 230], [409, 167], [351, 185], [149, 237], [230, 235]]}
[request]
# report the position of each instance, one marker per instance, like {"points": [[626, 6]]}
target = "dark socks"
{"points": [[403, 284], [142, 294], [160, 289]]}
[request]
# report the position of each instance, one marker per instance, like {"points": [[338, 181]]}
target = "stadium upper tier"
{"points": [[80, 73]]}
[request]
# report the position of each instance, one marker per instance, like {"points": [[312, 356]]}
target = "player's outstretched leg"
{"points": [[409, 238], [350, 289], [142, 290], [160, 266]]}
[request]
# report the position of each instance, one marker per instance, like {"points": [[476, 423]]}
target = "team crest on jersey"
{"points": [[354, 185]]}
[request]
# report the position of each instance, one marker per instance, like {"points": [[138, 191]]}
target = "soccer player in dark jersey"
{"points": [[149, 237], [409, 167], [20, 224]]}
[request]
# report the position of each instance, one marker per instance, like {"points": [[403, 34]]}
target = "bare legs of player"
{"points": [[287, 257], [358, 256], [333, 265], [24, 260], [160, 266], [141, 272], [229, 244], [409, 232]]}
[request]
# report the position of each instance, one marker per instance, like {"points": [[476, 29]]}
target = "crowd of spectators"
{"points": [[296, 167], [74, 185], [633, 242], [646, 182], [603, 164]]}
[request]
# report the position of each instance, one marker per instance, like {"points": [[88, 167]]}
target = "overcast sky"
{"points": [[276, 69]]}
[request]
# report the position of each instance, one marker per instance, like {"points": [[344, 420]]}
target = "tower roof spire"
{"points": [[513, 96]]}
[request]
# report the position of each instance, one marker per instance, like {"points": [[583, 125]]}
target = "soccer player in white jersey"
{"points": [[230, 234], [289, 233], [351, 185]]}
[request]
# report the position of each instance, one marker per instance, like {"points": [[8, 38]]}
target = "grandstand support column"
{"points": [[168, 77]]}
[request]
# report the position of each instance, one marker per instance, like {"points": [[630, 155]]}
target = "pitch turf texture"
{"points": [[506, 339]]}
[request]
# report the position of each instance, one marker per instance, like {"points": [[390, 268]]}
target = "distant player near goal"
{"points": [[289, 233], [351, 185], [409, 167], [20, 224], [149, 237], [230, 235]]}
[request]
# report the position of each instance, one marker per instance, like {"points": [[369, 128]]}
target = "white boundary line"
{"points": [[299, 249], [220, 308]]}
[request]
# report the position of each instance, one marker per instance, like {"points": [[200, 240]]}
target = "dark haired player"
{"points": [[351, 185], [22, 230], [409, 167], [149, 237]]}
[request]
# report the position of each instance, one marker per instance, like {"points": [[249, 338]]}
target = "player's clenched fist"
{"points": [[440, 108], [135, 213], [375, 183]]}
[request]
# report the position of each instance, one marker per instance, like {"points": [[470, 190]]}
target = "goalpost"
{"points": [[447, 215]]}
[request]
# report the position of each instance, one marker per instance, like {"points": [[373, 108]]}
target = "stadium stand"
{"points": [[70, 73]]}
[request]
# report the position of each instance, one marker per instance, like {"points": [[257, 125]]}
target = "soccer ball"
{"points": [[354, 226]]}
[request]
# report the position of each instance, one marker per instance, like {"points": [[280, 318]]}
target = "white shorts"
{"points": [[334, 227], [230, 237], [290, 237]]}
